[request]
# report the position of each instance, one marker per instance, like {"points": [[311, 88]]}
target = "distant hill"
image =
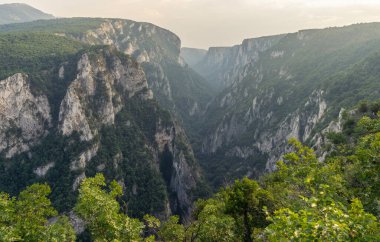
{"points": [[19, 12]]}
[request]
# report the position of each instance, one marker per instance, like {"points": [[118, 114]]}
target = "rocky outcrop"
{"points": [[84, 158], [185, 172], [176, 87], [42, 170], [104, 118], [265, 140], [78, 112], [284, 87], [224, 65], [24, 116], [106, 93], [144, 41], [72, 117]]}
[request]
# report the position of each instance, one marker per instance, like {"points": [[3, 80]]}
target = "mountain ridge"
{"points": [[20, 12], [289, 89], [176, 86]]}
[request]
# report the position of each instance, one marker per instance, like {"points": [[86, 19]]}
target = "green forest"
{"points": [[303, 200]]}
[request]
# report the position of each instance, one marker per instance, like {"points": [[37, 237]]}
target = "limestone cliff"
{"points": [[283, 87], [24, 117], [106, 121], [176, 87], [223, 65]]}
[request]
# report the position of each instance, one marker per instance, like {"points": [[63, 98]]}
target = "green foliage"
{"points": [[152, 224], [245, 200], [26, 218], [301, 174], [212, 223], [98, 206], [323, 220], [336, 138], [34, 52], [72, 26], [60, 230], [363, 167], [126, 157], [8, 230], [315, 196], [171, 230], [34, 208]]}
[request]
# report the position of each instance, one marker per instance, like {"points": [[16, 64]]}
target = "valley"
{"points": [[108, 114]]}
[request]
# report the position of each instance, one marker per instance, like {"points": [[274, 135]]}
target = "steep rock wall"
{"points": [[24, 117]]}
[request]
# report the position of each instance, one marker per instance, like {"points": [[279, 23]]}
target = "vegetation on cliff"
{"points": [[304, 199]]}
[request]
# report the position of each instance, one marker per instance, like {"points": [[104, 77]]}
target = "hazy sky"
{"points": [[204, 23]]}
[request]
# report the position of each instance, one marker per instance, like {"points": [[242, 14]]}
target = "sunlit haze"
{"points": [[204, 23]]}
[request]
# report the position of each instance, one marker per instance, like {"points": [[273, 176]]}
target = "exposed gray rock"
{"points": [[273, 142], [78, 180], [61, 72], [78, 223], [223, 66], [74, 112], [24, 117], [184, 177], [42, 170], [72, 116], [84, 158], [131, 38]]}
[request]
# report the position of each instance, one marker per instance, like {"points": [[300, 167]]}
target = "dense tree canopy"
{"points": [[31, 217]]}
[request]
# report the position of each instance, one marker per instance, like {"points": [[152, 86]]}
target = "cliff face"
{"points": [[143, 41], [176, 87], [107, 121], [223, 65], [84, 91], [99, 95], [24, 117], [294, 86]]}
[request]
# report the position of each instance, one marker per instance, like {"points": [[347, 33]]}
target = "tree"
{"points": [[8, 230], [362, 165], [60, 230], [323, 220], [171, 230], [301, 174], [33, 210], [212, 223], [245, 201], [27, 217], [98, 206]]}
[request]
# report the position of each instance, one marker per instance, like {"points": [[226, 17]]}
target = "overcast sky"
{"points": [[204, 23]]}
